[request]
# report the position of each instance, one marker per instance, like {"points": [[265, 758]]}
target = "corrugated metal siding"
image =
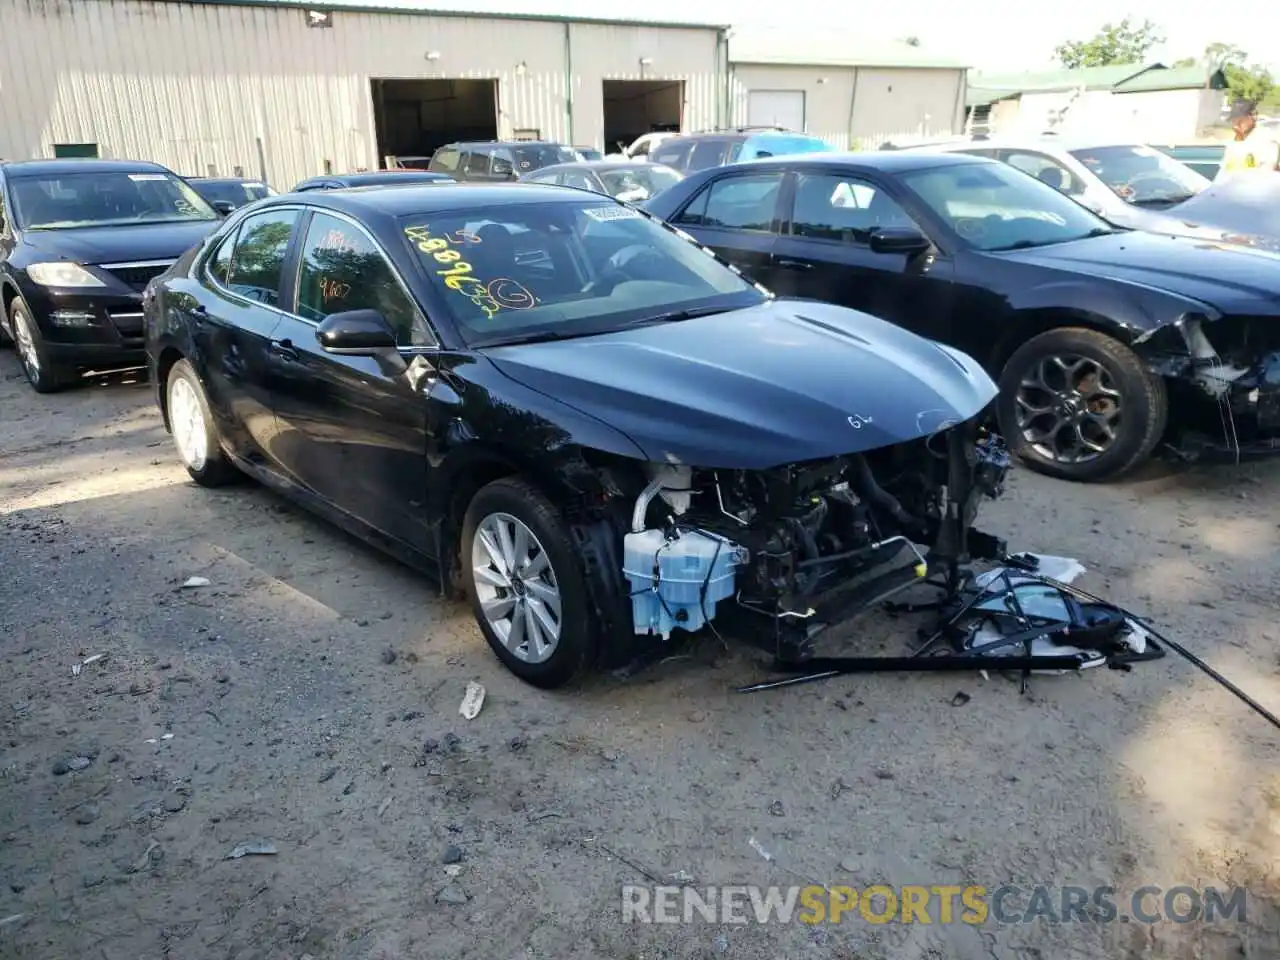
{"points": [[194, 85], [614, 53], [862, 107]]}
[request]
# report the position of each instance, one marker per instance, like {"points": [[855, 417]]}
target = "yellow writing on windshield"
{"points": [[459, 275]]}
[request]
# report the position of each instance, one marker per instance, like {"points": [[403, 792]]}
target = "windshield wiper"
{"points": [[1027, 244], [1162, 201], [674, 316]]}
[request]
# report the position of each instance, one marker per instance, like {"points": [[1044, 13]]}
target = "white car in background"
{"points": [[1132, 185], [641, 147]]}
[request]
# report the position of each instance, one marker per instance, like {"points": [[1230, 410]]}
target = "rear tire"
{"points": [[42, 373], [1079, 405], [195, 432], [519, 565]]}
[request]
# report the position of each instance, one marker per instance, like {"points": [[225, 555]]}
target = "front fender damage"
{"points": [[1224, 385]]}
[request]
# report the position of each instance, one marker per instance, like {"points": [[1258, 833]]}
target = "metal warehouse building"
{"points": [[286, 90], [850, 91]]}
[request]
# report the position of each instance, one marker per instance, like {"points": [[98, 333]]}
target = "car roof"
{"points": [[1043, 144], [886, 161], [37, 168], [598, 166], [380, 177], [223, 180], [473, 144], [419, 198]]}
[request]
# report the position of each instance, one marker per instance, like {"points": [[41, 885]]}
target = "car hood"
{"points": [[1234, 279], [141, 242], [783, 382], [1245, 207]]}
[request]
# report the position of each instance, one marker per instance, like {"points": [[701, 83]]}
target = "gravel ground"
{"points": [[308, 698]]}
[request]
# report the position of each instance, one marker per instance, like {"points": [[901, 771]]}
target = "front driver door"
{"points": [[825, 252], [353, 429], [232, 325], [736, 215]]}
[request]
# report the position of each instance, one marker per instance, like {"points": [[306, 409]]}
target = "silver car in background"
{"points": [[1134, 186]]}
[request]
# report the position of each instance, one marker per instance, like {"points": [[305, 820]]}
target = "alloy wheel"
{"points": [[186, 421], [1068, 408], [26, 341], [516, 587]]}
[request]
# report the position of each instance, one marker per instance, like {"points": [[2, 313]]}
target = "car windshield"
{"points": [[63, 201], [642, 182], [1141, 175], [238, 192], [992, 206], [531, 271]]}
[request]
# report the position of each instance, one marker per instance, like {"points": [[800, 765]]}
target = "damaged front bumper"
{"points": [[1224, 392]]}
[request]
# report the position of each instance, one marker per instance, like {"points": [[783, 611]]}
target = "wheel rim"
{"points": [[516, 587], [26, 342], [1069, 409], [186, 420]]}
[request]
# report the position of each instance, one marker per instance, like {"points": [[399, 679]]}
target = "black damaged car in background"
{"points": [[1105, 342], [80, 241], [583, 421]]}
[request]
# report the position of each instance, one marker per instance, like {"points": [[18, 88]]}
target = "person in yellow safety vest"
{"points": [[1251, 151]]}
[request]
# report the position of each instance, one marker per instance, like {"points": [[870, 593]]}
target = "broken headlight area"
{"points": [[782, 553], [1224, 384]]}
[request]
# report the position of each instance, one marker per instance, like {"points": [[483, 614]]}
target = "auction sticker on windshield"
{"points": [[459, 275], [604, 214], [147, 176]]}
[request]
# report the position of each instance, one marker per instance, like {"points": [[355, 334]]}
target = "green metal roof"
{"points": [[1053, 81], [1172, 78]]}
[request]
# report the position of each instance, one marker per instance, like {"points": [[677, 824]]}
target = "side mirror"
{"points": [[899, 240], [356, 333], [224, 207]]}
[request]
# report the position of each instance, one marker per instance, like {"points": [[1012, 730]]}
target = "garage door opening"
{"points": [[414, 117], [776, 108], [636, 107]]}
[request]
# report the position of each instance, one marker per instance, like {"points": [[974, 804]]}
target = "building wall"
{"points": [[1157, 116], [195, 86], [896, 104]]}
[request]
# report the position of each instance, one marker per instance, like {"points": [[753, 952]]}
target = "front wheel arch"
{"points": [[1026, 325]]}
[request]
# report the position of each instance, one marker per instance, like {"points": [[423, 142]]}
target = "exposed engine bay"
{"points": [[781, 546]]}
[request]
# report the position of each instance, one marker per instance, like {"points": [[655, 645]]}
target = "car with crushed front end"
{"points": [[577, 417], [79, 241], [1105, 341]]}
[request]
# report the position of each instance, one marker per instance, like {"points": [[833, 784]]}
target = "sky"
{"points": [[993, 35]]}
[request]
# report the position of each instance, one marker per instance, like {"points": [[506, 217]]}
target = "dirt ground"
{"points": [[308, 698]]}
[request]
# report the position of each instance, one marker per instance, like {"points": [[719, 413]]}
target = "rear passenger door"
{"points": [[245, 279], [737, 215]]}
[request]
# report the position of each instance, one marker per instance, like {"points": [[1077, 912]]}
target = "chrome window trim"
{"points": [[133, 264], [208, 255]]}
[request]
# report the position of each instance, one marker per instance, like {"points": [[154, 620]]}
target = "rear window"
{"points": [[446, 158], [537, 156], [707, 153], [672, 153]]}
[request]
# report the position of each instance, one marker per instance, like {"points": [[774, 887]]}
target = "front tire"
{"points": [[526, 585], [42, 373], [1079, 405], [195, 433]]}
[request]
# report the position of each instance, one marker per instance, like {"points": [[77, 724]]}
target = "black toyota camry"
{"points": [[1105, 341], [83, 238], [579, 418]]}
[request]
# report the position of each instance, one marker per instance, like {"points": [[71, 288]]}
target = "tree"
{"points": [[1115, 43], [1186, 62], [1248, 82], [1218, 55], [911, 41]]}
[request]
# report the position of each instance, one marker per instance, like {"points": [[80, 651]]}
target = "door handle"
{"points": [[284, 349], [794, 264], [200, 313]]}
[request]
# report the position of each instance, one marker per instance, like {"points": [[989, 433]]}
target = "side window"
{"points": [[642, 150], [735, 151], [4, 212], [475, 164], [575, 178], [672, 154], [707, 153], [219, 265], [1044, 169], [736, 203], [831, 207], [502, 163], [259, 255], [445, 159], [343, 270]]}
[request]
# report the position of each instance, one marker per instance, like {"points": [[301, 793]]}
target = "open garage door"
{"points": [[776, 108], [414, 117], [636, 107]]}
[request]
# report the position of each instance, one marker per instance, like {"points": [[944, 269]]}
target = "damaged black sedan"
{"points": [[582, 420], [1107, 343]]}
